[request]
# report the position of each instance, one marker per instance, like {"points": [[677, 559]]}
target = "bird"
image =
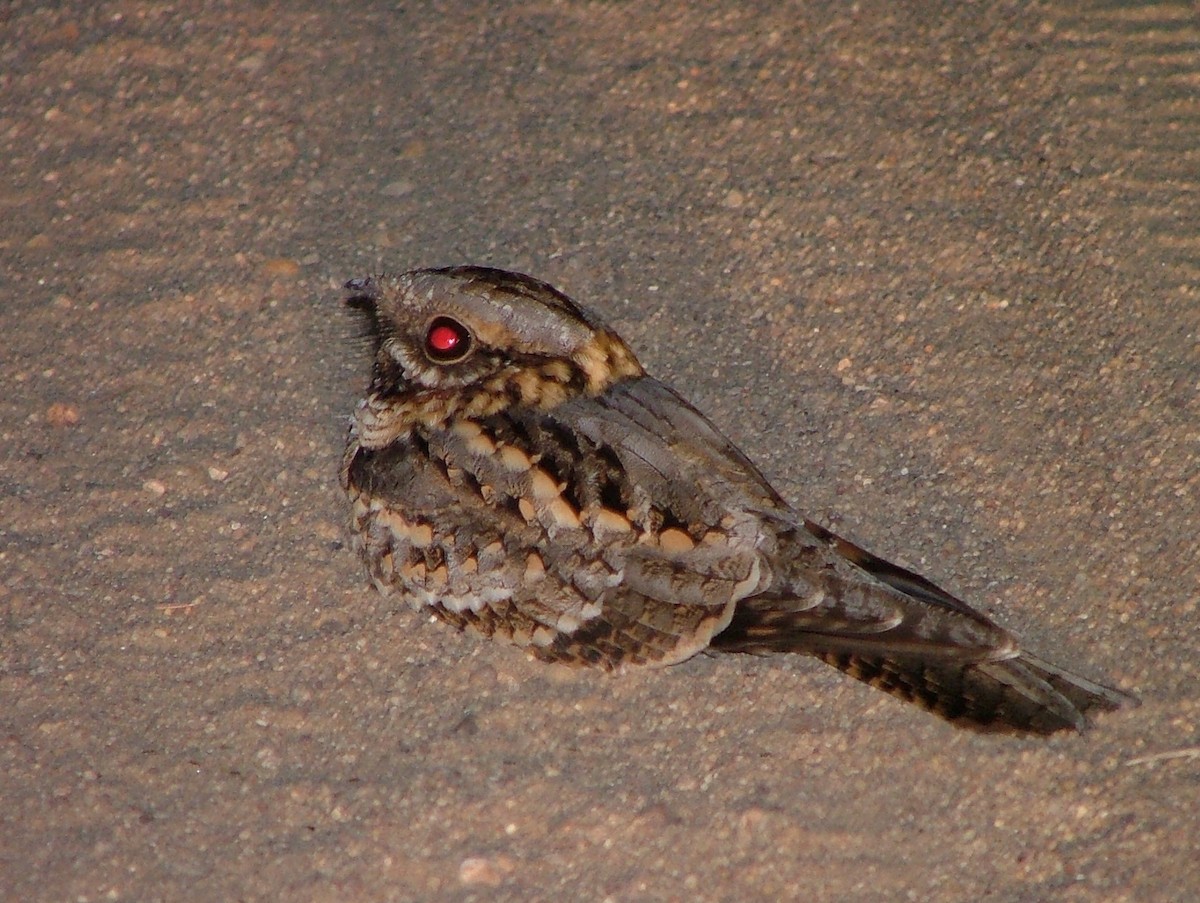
{"points": [[515, 471]]}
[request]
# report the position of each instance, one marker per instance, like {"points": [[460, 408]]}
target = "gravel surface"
{"points": [[936, 267]]}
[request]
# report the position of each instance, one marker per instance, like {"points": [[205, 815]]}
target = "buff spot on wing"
{"points": [[473, 437], [543, 485], [513, 459], [535, 568], [605, 521], [563, 514], [675, 541], [418, 535]]}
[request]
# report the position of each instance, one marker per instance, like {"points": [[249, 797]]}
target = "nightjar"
{"points": [[514, 470]]}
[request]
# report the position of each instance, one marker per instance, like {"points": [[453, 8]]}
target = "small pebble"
{"points": [[489, 872], [281, 268], [397, 189], [60, 414]]}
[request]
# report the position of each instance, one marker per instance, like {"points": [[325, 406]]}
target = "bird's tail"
{"points": [[1021, 693], [899, 632]]}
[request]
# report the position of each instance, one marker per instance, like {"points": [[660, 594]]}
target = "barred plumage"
{"points": [[514, 470]]}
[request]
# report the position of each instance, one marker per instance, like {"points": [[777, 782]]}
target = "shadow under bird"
{"points": [[514, 470]]}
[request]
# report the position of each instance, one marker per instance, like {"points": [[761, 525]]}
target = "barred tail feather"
{"points": [[897, 631], [1021, 694]]}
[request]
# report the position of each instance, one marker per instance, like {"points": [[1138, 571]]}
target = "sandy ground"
{"points": [[936, 269]]}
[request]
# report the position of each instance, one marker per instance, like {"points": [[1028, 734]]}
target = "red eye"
{"points": [[447, 340]]}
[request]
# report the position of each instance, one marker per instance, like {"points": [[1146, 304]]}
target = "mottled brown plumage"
{"points": [[514, 470]]}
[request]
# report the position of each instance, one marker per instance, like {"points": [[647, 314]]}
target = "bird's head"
{"points": [[479, 332]]}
